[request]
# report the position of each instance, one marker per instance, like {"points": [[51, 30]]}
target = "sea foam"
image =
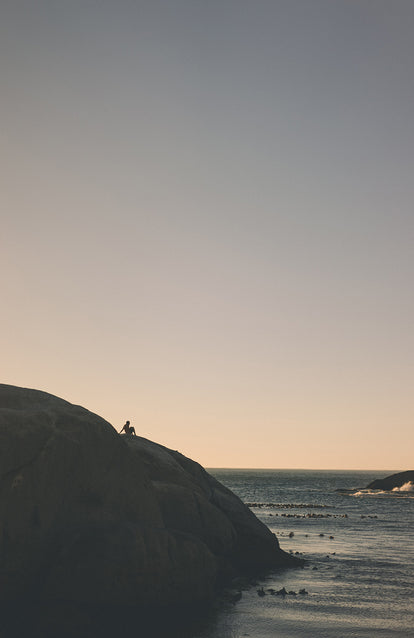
{"points": [[407, 487]]}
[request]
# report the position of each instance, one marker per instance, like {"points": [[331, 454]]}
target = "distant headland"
{"points": [[392, 482]]}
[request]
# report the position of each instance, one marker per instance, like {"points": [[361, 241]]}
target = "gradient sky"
{"points": [[207, 222]]}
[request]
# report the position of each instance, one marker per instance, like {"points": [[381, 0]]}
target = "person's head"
{"points": [[127, 423]]}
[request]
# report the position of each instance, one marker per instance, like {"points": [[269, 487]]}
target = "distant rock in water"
{"points": [[393, 482], [89, 516]]}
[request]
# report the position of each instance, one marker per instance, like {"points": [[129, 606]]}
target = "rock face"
{"points": [[89, 516], [393, 481]]}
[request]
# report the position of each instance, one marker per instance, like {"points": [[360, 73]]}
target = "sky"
{"points": [[207, 222]]}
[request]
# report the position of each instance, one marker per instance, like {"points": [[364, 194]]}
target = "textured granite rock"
{"points": [[90, 516]]}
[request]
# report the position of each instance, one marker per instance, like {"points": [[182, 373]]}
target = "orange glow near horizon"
{"points": [[207, 224]]}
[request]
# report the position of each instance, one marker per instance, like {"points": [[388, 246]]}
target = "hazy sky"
{"points": [[207, 222]]}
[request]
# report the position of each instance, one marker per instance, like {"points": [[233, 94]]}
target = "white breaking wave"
{"points": [[368, 493], [407, 487]]}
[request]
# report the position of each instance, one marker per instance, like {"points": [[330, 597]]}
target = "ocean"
{"points": [[359, 552]]}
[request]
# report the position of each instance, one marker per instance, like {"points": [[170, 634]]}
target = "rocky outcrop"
{"points": [[90, 516], [393, 481]]}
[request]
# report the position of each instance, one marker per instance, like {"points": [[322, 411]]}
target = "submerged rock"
{"points": [[89, 516], [394, 481]]}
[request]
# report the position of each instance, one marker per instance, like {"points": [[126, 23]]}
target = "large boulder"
{"points": [[395, 481], [90, 516]]}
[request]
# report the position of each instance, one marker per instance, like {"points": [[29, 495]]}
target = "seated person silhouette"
{"points": [[128, 429]]}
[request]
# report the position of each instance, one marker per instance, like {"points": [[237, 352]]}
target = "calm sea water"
{"points": [[360, 558]]}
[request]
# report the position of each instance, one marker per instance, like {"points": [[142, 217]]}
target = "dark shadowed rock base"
{"points": [[76, 620]]}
